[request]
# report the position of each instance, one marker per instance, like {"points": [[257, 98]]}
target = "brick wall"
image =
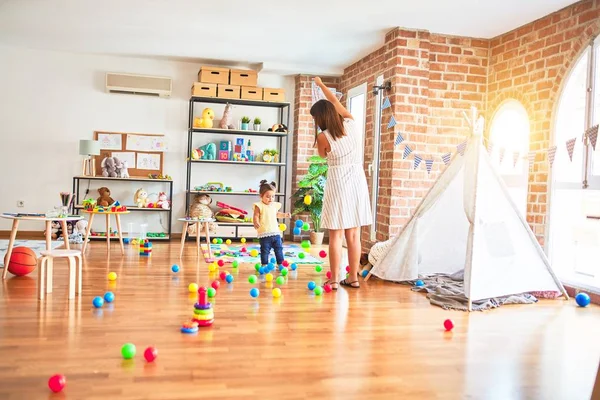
{"points": [[530, 64]]}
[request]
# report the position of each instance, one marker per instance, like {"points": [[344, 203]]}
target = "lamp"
{"points": [[89, 148]]}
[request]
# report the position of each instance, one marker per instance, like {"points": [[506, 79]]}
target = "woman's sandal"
{"points": [[354, 285], [331, 283]]}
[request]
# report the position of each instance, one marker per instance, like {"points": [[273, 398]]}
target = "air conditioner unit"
{"points": [[138, 84]]}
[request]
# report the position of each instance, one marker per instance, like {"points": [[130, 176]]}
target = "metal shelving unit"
{"points": [[282, 166]]}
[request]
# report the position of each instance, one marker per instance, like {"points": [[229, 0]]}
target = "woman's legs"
{"points": [[354, 248], [335, 253]]}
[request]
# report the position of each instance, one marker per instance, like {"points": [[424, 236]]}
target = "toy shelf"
{"points": [[132, 208], [212, 192], [280, 164], [133, 179], [238, 132], [239, 102]]}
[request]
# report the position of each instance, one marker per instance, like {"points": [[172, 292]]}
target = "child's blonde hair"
{"points": [[265, 187]]}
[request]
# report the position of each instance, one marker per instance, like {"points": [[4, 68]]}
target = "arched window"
{"points": [[509, 135]]}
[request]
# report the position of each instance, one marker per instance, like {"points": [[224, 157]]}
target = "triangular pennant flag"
{"points": [[592, 135], [461, 148], [428, 165], [490, 147], [501, 154], [386, 103], [551, 154], [407, 151], [515, 158], [418, 160], [446, 158], [531, 158], [392, 122], [571, 147], [399, 139]]}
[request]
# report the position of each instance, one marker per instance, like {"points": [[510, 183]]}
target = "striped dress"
{"points": [[346, 202]]}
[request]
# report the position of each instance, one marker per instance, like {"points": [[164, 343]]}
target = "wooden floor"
{"points": [[380, 342]]}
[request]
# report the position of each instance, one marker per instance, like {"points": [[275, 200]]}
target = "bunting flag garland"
{"points": [[531, 158], [502, 150], [592, 135], [515, 158], [461, 148], [446, 157], [399, 139], [418, 160], [386, 103], [428, 165], [407, 151], [551, 154], [490, 147], [392, 122], [571, 147]]}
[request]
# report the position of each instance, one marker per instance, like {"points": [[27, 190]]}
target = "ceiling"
{"points": [[284, 36]]}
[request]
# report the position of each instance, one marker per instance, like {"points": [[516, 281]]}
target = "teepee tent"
{"points": [[468, 221]]}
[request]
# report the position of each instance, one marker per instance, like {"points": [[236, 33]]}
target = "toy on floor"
{"points": [[582, 299], [252, 279], [254, 292], [311, 285], [229, 278], [211, 292], [112, 276], [175, 268], [128, 351], [203, 311], [322, 254], [327, 288], [189, 327], [145, 247], [193, 287], [318, 291], [418, 283], [22, 261], [57, 383], [109, 297], [284, 271], [448, 325], [280, 280], [276, 292], [98, 302], [150, 354]]}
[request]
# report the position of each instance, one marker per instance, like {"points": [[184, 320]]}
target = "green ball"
{"points": [[235, 264], [211, 292], [305, 244], [318, 291], [280, 280], [128, 351], [318, 268], [252, 279], [257, 266], [284, 271], [220, 241], [305, 227], [301, 256]]}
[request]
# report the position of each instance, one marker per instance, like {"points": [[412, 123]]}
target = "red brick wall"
{"points": [[530, 64]]}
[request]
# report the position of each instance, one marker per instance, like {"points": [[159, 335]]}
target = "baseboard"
{"points": [[29, 235]]}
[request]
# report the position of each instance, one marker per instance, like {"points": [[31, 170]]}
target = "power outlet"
{"points": [[20, 203]]}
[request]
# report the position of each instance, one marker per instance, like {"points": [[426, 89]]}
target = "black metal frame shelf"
{"points": [[211, 192], [132, 208], [264, 164], [239, 102], [239, 132]]}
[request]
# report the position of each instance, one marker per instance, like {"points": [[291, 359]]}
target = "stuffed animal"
{"points": [[208, 151], [108, 167], [140, 198], [124, 170], [104, 200], [195, 154], [118, 166], [227, 119], [278, 128], [80, 227], [163, 201], [200, 209], [206, 121], [55, 230]]}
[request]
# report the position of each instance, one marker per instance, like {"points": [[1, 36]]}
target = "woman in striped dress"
{"points": [[346, 205]]}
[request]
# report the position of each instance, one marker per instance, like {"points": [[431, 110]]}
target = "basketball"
{"points": [[22, 261]]}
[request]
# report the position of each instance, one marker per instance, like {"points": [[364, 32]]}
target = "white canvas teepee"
{"points": [[468, 221]]}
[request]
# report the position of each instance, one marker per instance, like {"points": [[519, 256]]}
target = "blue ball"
{"points": [[420, 283], [261, 270], [311, 285], [109, 297], [271, 265], [175, 268], [98, 302], [229, 278], [299, 223], [297, 231], [254, 292], [364, 273], [280, 267], [582, 299], [272, 260], [293, 267]]}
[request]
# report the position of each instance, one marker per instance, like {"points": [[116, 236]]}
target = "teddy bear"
{"points": [[200, 209], [109, 168], [163, 201], [208, 151], [140, 198], [104, 200]]}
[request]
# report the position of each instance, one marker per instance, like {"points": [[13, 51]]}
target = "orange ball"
{"points": [[22, 261]]}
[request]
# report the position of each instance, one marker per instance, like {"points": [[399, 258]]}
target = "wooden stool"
{"points": [[45, 271]]}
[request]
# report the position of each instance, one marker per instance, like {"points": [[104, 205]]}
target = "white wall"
{"points": [[51, 100]]}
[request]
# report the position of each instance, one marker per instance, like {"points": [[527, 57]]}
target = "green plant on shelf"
{"points": [[245, 120], [312, 184], [257, 121]]}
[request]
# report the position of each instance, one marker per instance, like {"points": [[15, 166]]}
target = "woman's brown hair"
{"points": [[265, 187], [327, 118]]}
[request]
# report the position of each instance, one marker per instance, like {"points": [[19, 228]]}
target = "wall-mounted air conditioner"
{"points": [[138, 84]]}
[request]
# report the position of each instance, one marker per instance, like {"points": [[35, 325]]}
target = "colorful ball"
{"points": [[273, 260], [228, 241], [22, 261], [328, 274], [420, 283], [98, 302], [211, 292], [212, 267], [252, 279], [219, 241], [327, 288], [193, 288], [269, 277], [109, 297], [364, 273], [254, 292], [297, 231], [318, 290], [243, 240], [128, 351], [223, 275], [282, 227], [318, 268], [280, 280], [56, 383], [323, 254], [175, 268], [229, 278], [305, 227], [244, 250], [215, 285], [215, 241], [301, 256], [294, 266], [347, 266], [276, 292], [285, 263], [448, 324], [254, 253], [307, 199], [582, 299], [311, 285], [150, 354], [305, 244], [220, 263], [257, 266], [284, 271], [262, 270], [235, 264], [112, 276], [299, 223]]}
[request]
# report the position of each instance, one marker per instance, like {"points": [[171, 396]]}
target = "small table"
{"points": [[200, 223], [117, 215], [47, 220]]}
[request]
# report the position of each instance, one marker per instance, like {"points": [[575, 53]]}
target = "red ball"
{"points": [[223, 275], [327, 288], [56, 383], [150, 354], [221, 263], [328, 274], [323, 253], [285, 263], [22, 261], [215, 285], [448, 324], [348, 268], [244, 250]]}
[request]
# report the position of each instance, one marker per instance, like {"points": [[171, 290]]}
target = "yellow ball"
{"points": [[282, 227], [307, 199], [276, 292], [254, 252], [228, 241], [212, 267], [112, 276], [193, 287], [243, 240], [269, 277], [215, 241]]}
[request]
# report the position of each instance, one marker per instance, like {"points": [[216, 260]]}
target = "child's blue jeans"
{"points": [[268, 243]]}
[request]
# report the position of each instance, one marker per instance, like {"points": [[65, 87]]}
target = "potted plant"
{"points": [[245, 123], [257, 123], [311, 190]]}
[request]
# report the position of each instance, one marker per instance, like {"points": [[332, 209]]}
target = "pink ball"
{"points": [[221, 263], [328, 274], [223, 275], [323, 253], [150, 354], [215, 285], [285, 263], [448, 324], [348, 268], [244, 250], [327, 288], [56, 383]]}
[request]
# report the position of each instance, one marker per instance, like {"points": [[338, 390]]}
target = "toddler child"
{"points": [[265, 221]]}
